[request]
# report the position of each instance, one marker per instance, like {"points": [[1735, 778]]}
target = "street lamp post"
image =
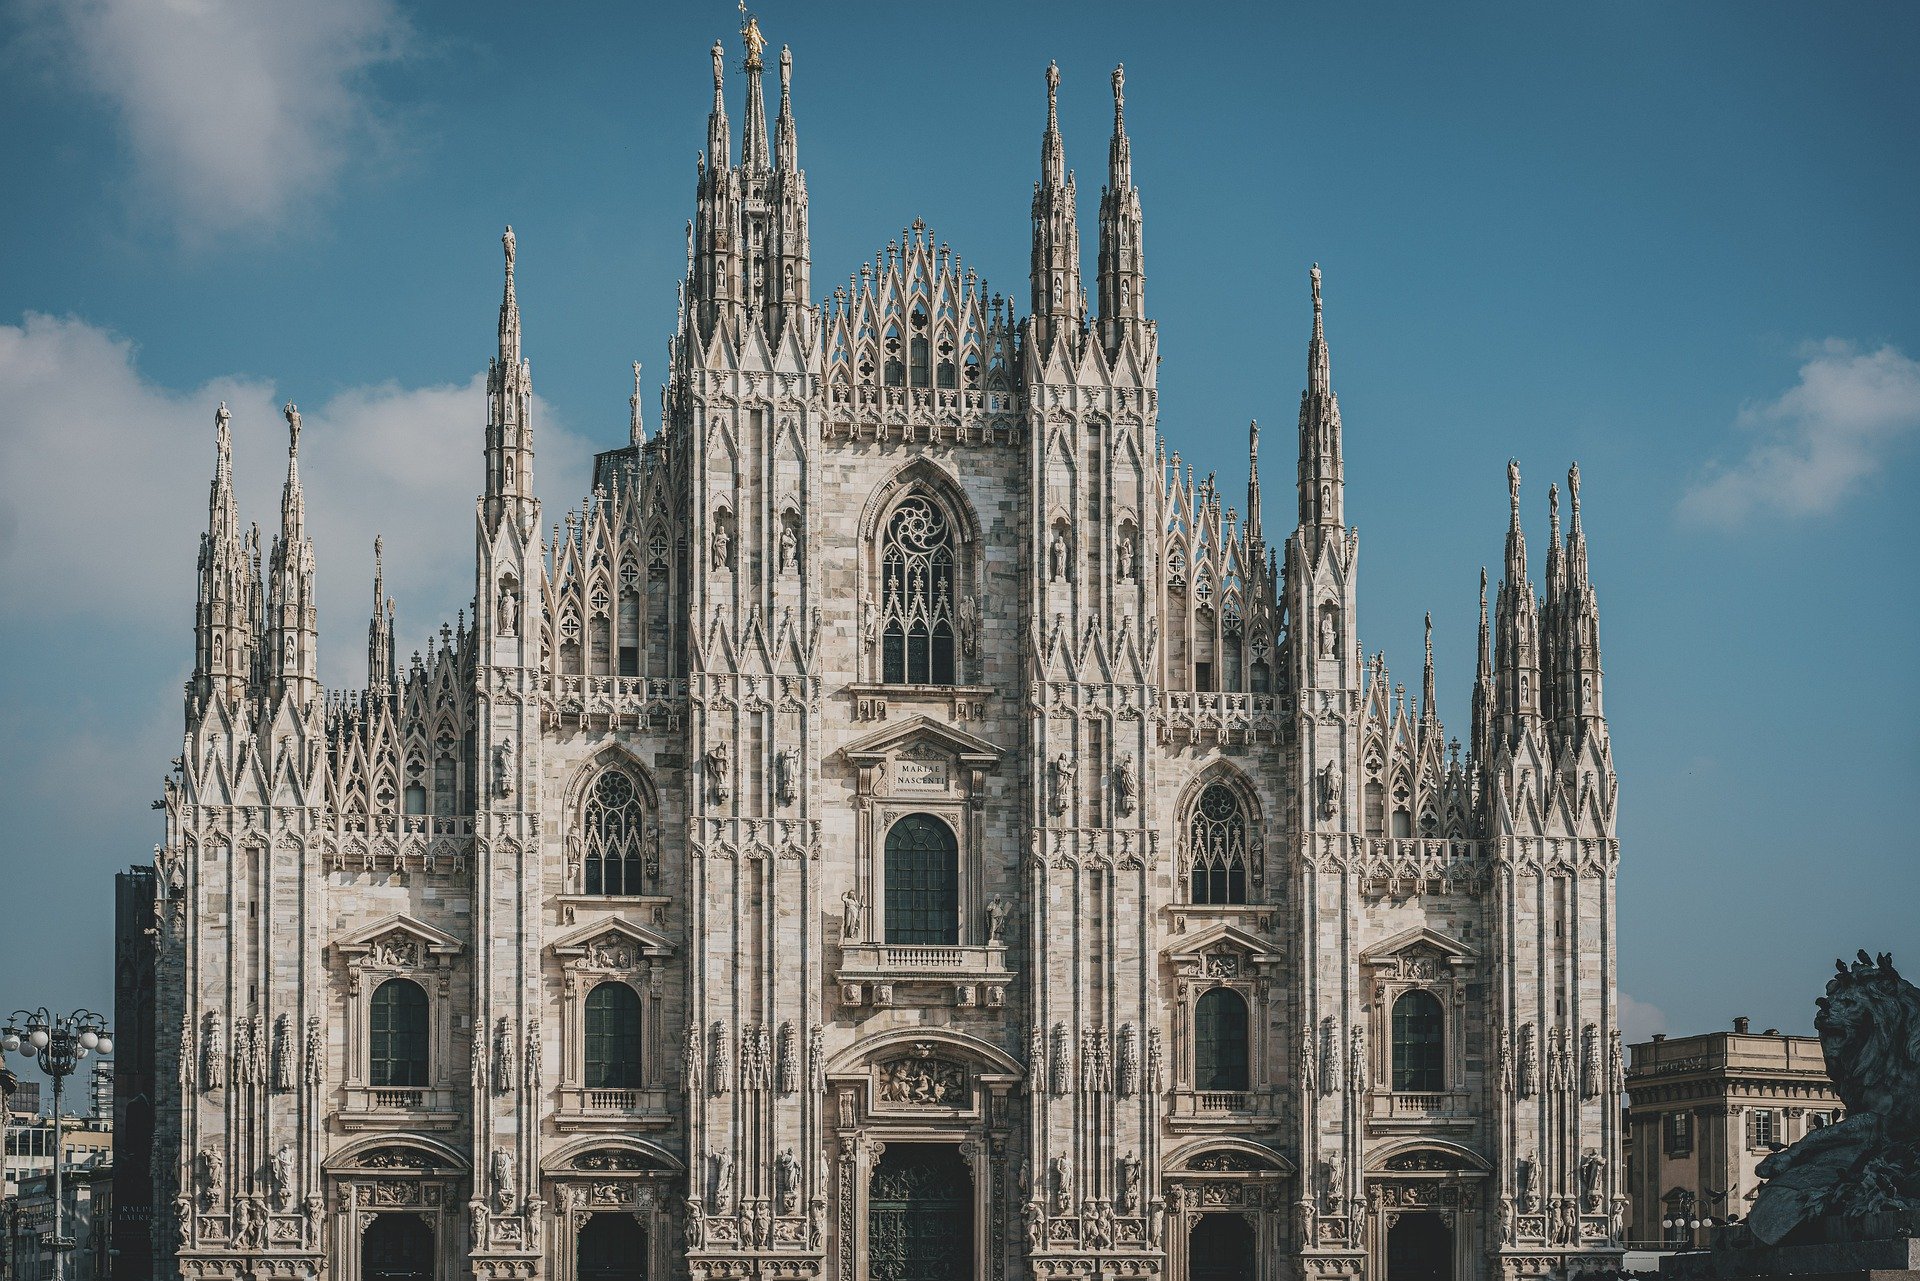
{"points": [[58, 1042]]}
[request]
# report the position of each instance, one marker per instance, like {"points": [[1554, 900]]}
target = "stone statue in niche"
{"points": [[1592, 1167], [500, 1171], [722, 1182], [1123, 557], [1129, 1184], [503, 767], [788, 1172], [1125, 784], [1061, 1169], [509, 611], [719, 785], [1869, 1028], [1329, 634], [969, 620], [789, 550], [1523, 1183], [1330, 790], [998, 909], [213, 1176], [1057, 556], [850, 916], [1063, 770], [786, 774], [280, 1172], [722, 542]]}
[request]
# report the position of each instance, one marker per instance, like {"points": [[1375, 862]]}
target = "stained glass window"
{"points": [[612, 832], [917, 595], [1217, 847]]}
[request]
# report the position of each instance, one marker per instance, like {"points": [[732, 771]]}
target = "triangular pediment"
{"points": [[874, 749], [1420, 940], [611, 932], [1219, 935], [363, 940]]}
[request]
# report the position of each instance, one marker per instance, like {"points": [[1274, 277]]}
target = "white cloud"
{"points": [[238, 113], [1639, 1020], [1819, 441], [104, 479]]}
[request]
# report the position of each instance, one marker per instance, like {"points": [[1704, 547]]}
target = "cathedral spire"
{"points": [[1253, 482], [1429, 711], [719, 141], [786, 145], [1516, 630], [1579, 620], [1056, 233], [753, 137], [223, 622], [380, 631], [292, 632], [509, 409], [1122, 264], [1482, 733], [1322, 471]]}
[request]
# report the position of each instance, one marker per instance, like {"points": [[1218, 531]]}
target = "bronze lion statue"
{"points": [[1869, 1026]]}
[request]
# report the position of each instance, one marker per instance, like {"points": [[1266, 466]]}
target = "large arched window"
{"points": [[917, 595], [1418, 1041], [612, 832], [1220, 1041], [613, 1037], [1216, 852], [397, 1044], [923, 882]]}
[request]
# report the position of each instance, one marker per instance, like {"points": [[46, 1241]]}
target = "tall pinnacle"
{"points": [[380, 630], [753, 138], [509, 307], [785, 144], [1319, 365], [1427, 708], [636, 427], [719, 142], [1253, 481], [1055, 268], [1123, 272], [1322, 469]]}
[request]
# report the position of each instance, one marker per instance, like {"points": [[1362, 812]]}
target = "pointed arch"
{"points": [[611, 847], [920, 537], [1219, 840]]}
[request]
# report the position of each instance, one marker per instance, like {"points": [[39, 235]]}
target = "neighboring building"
{"points": [[30, 1139], [1704, 1111], [87, 1193], [134, 954], [902, 817]]}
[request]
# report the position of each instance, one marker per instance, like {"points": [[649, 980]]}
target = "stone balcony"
{"points": [[643, 1108], [394, 1107], [1390, 1110], [883, 974]]}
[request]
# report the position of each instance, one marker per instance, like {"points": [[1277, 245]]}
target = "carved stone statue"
{"points": [[788, 1170], [281, 1171], [1063, 770], [213, 1176], [787, 775], [722, 1182], [1523, 1183], [500, 1170], [1123, 557], [503, 767], [477, 1223], [969, 620], [997, 911], [1126, 784], [1330, 790], [789, 550], [1869, 1027], [850, 916], [722, 544], [1592, 1167], [1329, 635], [1062, 1176], [509, 610], [719, 784], [1057, 557], [1129, 1184]]}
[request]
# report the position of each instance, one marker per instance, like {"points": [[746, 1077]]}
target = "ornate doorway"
{"points": [[397, 1247], [612, 1247], [1419, 1248], [1220, 1248], [920, 1215]]}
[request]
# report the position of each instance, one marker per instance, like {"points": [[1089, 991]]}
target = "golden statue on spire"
{"points": [[751, 37]]}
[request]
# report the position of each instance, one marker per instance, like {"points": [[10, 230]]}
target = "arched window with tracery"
{"points": [[1216, 846], [917, 571], [612, 831]]}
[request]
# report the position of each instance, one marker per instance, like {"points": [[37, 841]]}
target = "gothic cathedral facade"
{"points": [[901, 827]]}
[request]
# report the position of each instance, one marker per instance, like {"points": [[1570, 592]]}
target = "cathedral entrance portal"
{"points": [[920, 1215], [1419, 1248], [397, 1247], [612, 1248], [1220, 1248]]}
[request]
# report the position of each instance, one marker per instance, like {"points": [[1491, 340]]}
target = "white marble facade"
{"points": [[900, 764]]}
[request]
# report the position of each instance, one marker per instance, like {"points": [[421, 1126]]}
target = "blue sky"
{"points": [[1673, 242]]}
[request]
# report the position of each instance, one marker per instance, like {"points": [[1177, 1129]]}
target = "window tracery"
{"points": [[612, 829], [917, 567], [1216, 847]]}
